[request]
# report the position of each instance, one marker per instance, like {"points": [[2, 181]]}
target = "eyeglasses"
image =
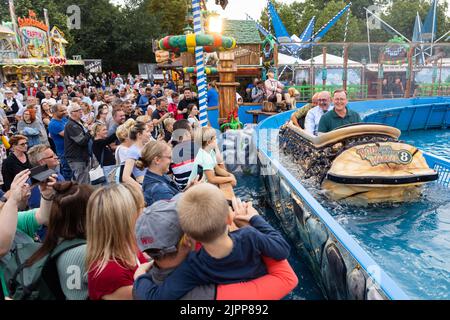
{"points": [[77, 110], [340, 99], [23, 144], [51, 157]]}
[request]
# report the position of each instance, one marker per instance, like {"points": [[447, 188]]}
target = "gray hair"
{"points": [[72, 107], [55, 107], [35, 154]]}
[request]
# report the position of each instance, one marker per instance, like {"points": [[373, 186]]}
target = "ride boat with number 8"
{"points": [[360, 163]]}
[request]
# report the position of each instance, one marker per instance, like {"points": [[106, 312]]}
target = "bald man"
{"points": [[298, 117], [315, 114]]}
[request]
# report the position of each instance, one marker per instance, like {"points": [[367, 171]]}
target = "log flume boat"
{"points": [[360, 163]]}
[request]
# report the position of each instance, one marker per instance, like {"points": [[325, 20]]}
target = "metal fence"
{"points": [[368, 71]]}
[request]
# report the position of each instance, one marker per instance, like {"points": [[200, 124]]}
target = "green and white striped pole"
{"points": [[201, 76]]}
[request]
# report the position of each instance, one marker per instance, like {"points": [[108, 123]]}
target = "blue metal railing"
{"points": [[442, 167], [389, 287], [408, 114], [414, 117]]}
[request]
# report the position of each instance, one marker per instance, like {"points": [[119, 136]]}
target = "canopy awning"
{"points": [[60, 40], [36, 62], [331, 60], [6, 31], [284, 59]]}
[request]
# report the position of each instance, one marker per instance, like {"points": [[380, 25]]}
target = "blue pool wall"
{"points": [[363, 277], [365, 108], [244, 117]]}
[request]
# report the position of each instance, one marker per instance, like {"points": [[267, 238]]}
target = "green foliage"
{"points": [[122, 36], [170, 14], [400, 14]]}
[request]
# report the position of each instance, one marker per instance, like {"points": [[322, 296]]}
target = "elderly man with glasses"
{"points": [[76, 144], [315, 114], [42, 155]]}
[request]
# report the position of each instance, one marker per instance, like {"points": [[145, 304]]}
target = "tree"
{"points": [[297, 15], [171, 14], [401, 15]]}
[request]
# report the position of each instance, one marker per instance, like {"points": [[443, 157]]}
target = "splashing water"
{"points": [[410, 241]]}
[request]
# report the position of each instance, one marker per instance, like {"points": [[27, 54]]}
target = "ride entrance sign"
{"points": [[93, 66]]}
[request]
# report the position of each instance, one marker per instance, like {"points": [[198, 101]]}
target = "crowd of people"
{"points": [[129, 207], [271, 90]]}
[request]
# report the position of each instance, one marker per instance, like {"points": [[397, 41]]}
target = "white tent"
{"points": [[332, 61], [285, 60]]}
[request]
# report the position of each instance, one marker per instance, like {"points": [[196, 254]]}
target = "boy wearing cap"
{"points": [[158, 229], [225, 257]]}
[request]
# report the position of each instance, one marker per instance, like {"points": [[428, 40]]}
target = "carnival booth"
{"points": [[29, 49]]}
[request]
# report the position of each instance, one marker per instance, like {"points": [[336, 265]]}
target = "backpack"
{"points": [[41, 280]]}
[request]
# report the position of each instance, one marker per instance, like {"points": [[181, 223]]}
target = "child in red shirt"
{"points": [[173, 107]]}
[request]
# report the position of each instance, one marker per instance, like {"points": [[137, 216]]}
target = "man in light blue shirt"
{"points": [[315, 114]]}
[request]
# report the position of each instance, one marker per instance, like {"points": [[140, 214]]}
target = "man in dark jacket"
{"points": [[187, 100], [76, 143]]}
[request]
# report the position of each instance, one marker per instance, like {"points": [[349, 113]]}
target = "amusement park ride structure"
{"points": [[29, 48], [199, 42]]}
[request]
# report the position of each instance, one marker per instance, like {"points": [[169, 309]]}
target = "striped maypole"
{"points": [[201, 76]]}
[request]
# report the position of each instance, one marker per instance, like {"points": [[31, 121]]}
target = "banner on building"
{"points": [[149, 71], [93, 66]]}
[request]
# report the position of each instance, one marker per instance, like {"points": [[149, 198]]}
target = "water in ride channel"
{"points": [[410, 241]]}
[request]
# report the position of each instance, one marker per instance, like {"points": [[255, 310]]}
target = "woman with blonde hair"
{"points": [[101, 147], [149, 122], [157, 157], [123, 135], [140, 135], [207, 162], [298, 117], [112, 255]]}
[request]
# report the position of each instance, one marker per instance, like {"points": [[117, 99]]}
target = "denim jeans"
{"points": [[65, 170]]}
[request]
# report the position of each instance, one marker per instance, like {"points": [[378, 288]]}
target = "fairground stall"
{"points": [[31, 48]]}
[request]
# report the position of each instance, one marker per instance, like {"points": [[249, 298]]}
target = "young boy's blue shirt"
{"points": [[242, 264]]}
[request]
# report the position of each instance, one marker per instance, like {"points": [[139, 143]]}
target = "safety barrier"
{"points": [[342, 268]]}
